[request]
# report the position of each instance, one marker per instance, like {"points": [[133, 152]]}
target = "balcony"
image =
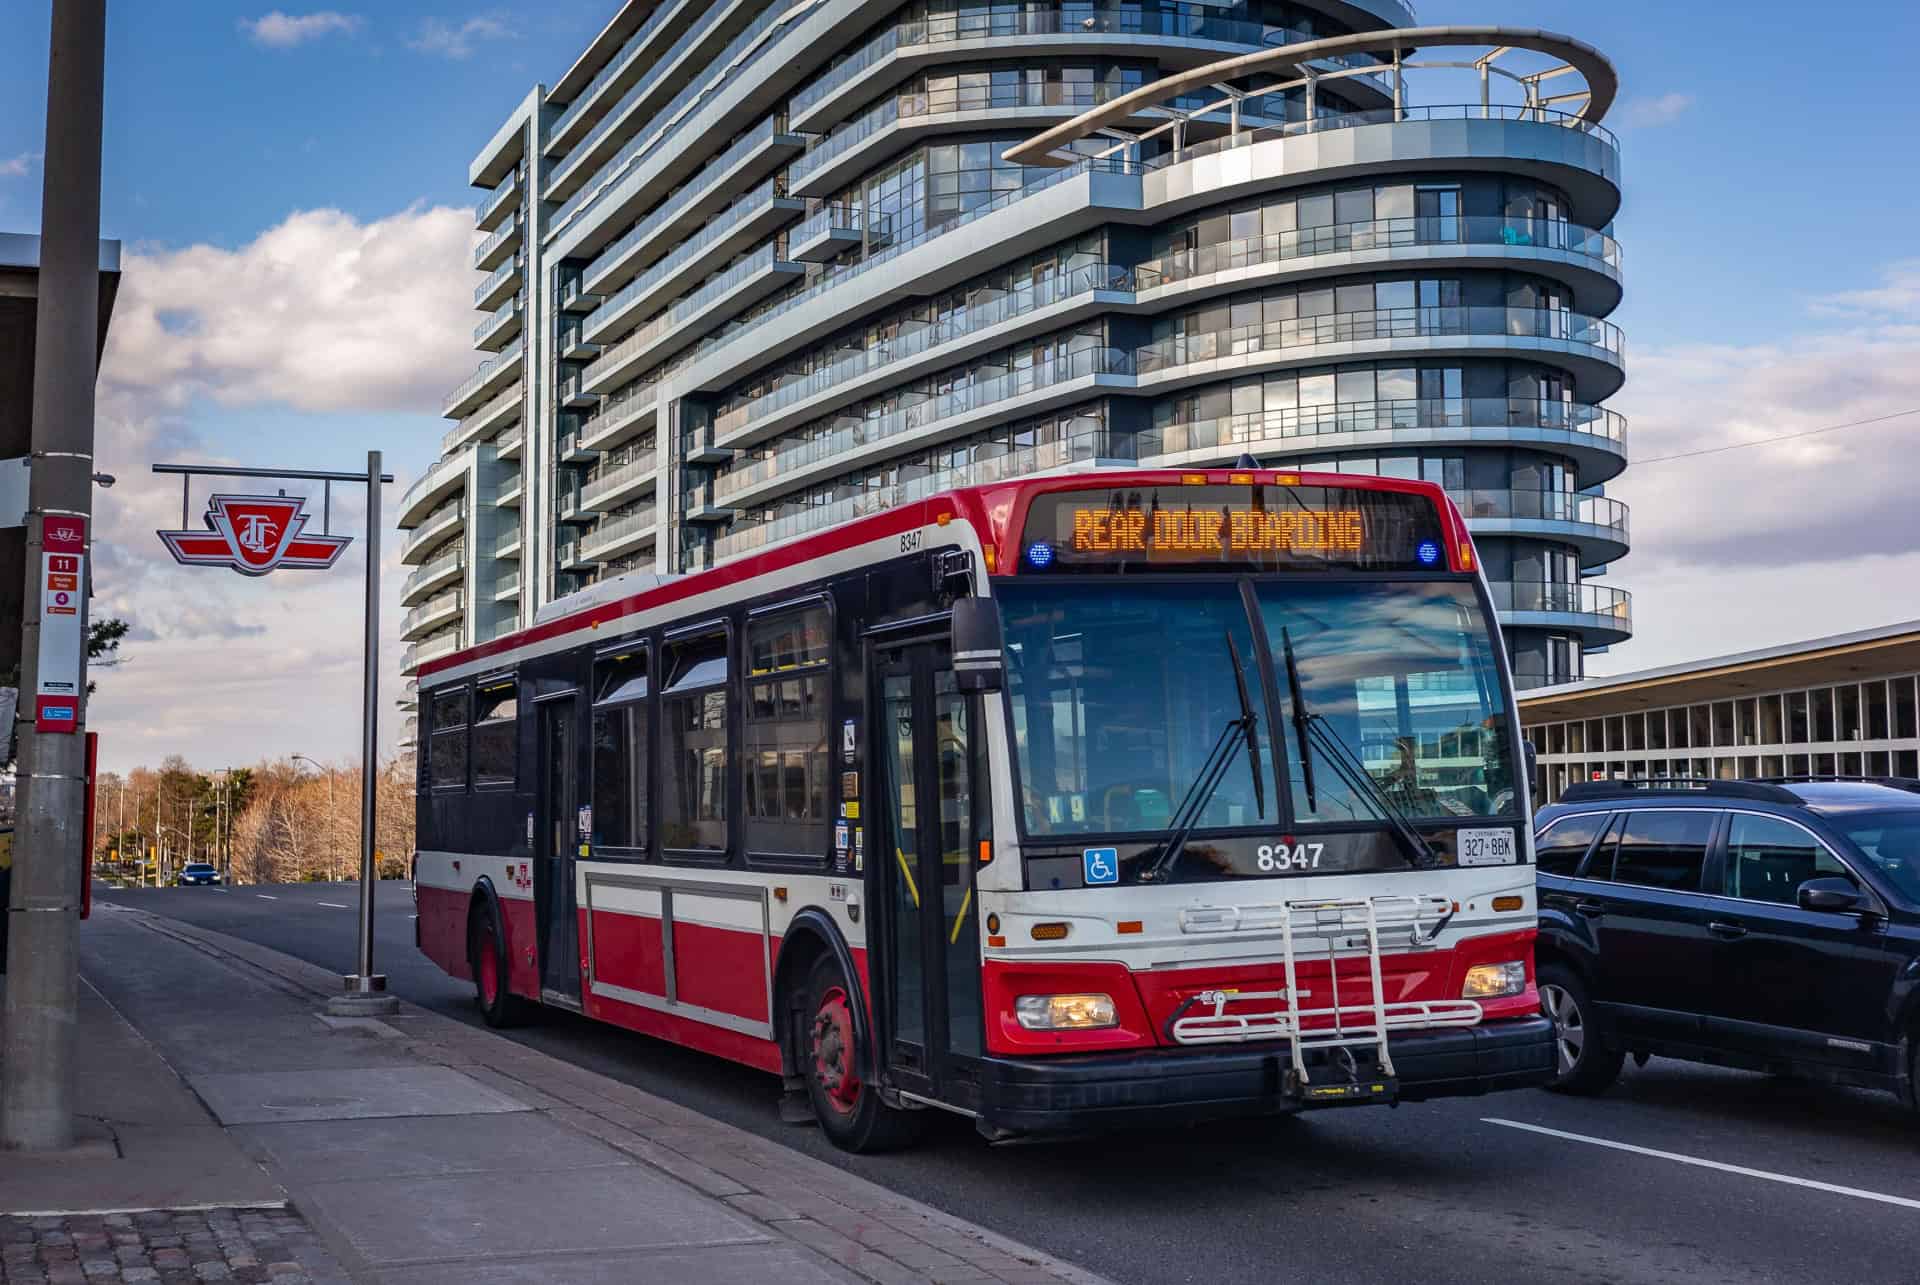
{"points": [[575, 297], [1603, 614], [685, 210], [993, 400], [835, 228], [1087, 450], [1593, 349], [498, 287], [436, 484], [621, 414], [1594, 438], [435, 573], [1595, 525], [506, 546], [500, 327], [640, 52], [614, 485], [570, 557], [486, 421], [512, 491], [503, 199], [568, 449], [573, 393], [573, 343], [435, 529], [441, 609], [617, 534], [493, 251], [1176, 39], [485, 381], [507, 588], [429, 649], [723, 296], [507, 446], [747, 221]]}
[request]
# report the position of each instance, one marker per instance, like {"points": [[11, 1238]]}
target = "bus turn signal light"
{"points": [[1065, 1012], [1050, 932], [1129, 926], [1509, 903]]}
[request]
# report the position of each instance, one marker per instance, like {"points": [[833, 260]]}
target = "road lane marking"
{"points": [[264, 897], [1903, 1201], [332, 905]]}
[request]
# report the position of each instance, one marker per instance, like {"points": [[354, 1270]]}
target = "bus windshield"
{"points": [[1119, 690]]}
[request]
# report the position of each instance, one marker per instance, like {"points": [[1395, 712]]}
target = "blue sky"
{"points": [[294, 202]]}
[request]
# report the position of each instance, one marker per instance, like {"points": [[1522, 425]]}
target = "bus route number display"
{"points": [[1196, 527]]}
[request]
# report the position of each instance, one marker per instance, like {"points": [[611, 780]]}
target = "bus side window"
{"points": [[495, 709], [622, 727], [694, 744], [784, 736], [447, 748]]}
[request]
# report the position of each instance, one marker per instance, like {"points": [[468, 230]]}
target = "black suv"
{"points": [[1774, 926]]}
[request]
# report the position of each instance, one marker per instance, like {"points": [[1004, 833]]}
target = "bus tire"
{"points": [[850, 1111], [1585, 1063], [487, 953]]}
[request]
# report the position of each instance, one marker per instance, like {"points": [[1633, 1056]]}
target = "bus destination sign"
{"points": [[1264, 527]]}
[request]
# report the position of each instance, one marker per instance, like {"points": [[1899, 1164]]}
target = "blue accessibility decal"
{"points": [[1102, 865]]}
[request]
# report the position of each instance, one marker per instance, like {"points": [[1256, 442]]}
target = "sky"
{"points": [[290, 188]]}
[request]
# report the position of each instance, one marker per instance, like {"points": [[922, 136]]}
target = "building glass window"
{"points": [[1723, 724], [1874, 697], [1798, 728], [495, 708], [1849, 712], [1770, 721], [1823, 716], [447, 745], [693, 716], [784, 734], [1657, 729], [1677, 729], [1904, 708], [1747, 711], [621, 745], [1699, 727]]}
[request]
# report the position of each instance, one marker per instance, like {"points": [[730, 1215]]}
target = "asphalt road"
{"points": [[1757, 1179]]}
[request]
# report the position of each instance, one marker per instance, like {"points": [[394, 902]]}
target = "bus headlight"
{"points": [[1491, 981], [1064, 1012]]}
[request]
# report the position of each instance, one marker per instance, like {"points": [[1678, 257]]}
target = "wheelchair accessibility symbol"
{"points": [[1102, 865]]}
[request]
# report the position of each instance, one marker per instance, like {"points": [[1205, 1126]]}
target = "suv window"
{"points": [[1558, 849], [1664, 849], [1768, 859]]}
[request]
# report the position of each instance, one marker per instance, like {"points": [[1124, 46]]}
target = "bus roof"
{"points": [[994, 511]]}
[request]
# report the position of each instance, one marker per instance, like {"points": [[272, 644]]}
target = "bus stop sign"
{"points": [[255, 534]]}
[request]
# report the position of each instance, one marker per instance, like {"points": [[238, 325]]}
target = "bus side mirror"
{"points": [[979, 659]]}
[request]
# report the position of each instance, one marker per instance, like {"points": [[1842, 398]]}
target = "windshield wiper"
{"points": [[1311, 733], [1193, 804]]}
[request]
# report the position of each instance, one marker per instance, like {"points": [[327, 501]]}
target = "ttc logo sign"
{"points": [[254, 534]]}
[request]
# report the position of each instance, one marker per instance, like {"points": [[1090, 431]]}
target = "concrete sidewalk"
{"points": [[423, 1150]]}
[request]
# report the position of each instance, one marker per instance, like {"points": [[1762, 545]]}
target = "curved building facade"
{"points": [[754, 268]]}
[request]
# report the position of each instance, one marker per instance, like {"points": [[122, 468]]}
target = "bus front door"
{"points": [[930, 821], [561, 831]]}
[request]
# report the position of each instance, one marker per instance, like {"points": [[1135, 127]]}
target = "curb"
{"points": [[856, 1224]]}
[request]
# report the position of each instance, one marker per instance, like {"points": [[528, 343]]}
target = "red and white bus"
{"points": [[1075, 801]]}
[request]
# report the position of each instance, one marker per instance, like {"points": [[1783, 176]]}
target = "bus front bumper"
{"points": [[1172, 1086]]}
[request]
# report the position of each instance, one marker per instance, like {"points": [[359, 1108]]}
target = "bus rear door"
{"points": [[928, 810], [563, 828]]}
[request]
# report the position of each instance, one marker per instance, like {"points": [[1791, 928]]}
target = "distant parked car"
{"points": [[1771, 926], [196, 872]]}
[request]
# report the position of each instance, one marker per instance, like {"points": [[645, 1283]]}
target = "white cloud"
{"points": [[320, 314], [1784, 541], [18, 166], [456, 40], [277, 30], [1649, 112]]}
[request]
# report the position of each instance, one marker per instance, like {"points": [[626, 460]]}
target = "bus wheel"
{"points": [[487, 949], [849, 1109]]}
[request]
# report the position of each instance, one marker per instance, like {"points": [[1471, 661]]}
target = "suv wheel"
{"points": [[1586, 1063]]}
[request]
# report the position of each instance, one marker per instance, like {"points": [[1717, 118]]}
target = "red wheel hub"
{"points": [[833, 1058], [489, 967]]}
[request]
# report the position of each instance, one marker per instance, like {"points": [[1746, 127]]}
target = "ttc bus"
{"points": [[1111, 798]]}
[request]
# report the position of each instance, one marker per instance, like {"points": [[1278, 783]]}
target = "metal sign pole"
{"points": [[366, 988]]}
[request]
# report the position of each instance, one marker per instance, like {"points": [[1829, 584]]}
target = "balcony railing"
{"points": [[620, 406], [989, 466], [511, 438], [495, 279], [1524, 504], [611, 479], [635, 45], [430, 648], [615, 528], [490, 204], [434, 568], [1236, 432], [1389, 116], [1612, 608], [1382, 324], [715, 71], [434, 606], [483, 251], [985, 24], [752, 474], [977, 316], [716, 288], [671, 209], [498, 317], [507, 543], [1380, 234], [488, 369], [469, 425], [436, 475], [720, 227]]}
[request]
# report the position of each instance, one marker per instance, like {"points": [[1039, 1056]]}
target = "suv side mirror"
{"points": [[1831, 893], [979, 657]]}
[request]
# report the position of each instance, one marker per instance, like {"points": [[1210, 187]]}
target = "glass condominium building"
{"points": [[750, 268]]}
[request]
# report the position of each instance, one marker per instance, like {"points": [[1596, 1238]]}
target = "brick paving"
{"points": [[162, 1248]]}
